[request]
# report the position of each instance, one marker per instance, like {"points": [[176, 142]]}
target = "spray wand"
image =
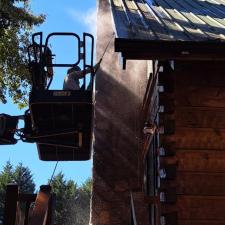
{"points": [[106, 48]]}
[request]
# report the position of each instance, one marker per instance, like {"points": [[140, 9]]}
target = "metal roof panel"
{"points": [[170, 20]]}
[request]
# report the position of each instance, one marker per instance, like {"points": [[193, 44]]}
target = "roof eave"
{"points": [[170, 50]]}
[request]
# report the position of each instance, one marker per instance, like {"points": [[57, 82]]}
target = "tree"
{"points": [[16, 23], [20, 175], [23, 177], [72, 202], [66, 194], [6, 177], [83, 202]]}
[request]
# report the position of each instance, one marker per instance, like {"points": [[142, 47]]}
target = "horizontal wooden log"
{"points": [[196, 96], [197, 208], [202, 118], [198, 138], [197, 161], [196, 117], [212, 77], [198, 66], [206, 184]]}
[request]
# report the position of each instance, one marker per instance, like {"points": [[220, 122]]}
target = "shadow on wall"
{"points": [[116, 130], [115, 160]]}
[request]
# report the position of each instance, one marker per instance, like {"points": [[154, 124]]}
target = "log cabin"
{"points": [[159, 151]]}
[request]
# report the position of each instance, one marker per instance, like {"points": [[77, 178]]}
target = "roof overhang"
{"points": [[169, 50]]}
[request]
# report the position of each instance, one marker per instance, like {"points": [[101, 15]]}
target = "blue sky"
{"points": [[62, 16]]}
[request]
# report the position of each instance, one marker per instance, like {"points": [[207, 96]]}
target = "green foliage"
{"points": [[65, 192], [20, 175], [83, 202], [86, 187], [16, 23], [23, 177], [72, 202]]}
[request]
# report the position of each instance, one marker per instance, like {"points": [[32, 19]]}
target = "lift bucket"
{"points": [[62, 123]]}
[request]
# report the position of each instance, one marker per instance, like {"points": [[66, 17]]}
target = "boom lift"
{"points": [[59, 121]]}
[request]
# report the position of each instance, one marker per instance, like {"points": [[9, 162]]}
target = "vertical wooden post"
{"points": [[51, 209], [40, 211], [10, 204], [27, 209]]}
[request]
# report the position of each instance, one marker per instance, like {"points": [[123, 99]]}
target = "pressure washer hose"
{"points": [[105, 50]]}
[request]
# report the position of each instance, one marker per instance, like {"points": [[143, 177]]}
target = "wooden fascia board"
{"points": [[170, 50]]}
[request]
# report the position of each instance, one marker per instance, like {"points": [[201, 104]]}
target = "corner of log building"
{"points": [[159, 135]]}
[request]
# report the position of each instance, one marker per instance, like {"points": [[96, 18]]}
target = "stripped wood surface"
{"points": [[198, 142], [198, 138], [196, 96], [197, 183], [196, 117], [198, 207], [197, 161]]}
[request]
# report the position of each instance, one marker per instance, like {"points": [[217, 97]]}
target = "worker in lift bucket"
{"points": [[71, 80]]}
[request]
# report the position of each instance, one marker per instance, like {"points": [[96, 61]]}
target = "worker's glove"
{"points": [[95, 67]]}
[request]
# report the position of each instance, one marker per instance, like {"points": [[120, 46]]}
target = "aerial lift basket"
{"points": [[61, 120]]}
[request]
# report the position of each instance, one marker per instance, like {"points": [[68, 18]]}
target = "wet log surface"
{"points": [[198, 141], [198, 138], [197, 160], [197, 207], [192, 183], [197, 117]]}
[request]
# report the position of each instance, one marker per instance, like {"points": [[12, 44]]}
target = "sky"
{"points": [[61, 16]]}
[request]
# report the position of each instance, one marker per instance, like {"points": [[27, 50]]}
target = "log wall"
{"points": [[198, 143]]}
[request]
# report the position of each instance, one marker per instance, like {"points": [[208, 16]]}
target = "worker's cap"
{"points": [[74, 68]]}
